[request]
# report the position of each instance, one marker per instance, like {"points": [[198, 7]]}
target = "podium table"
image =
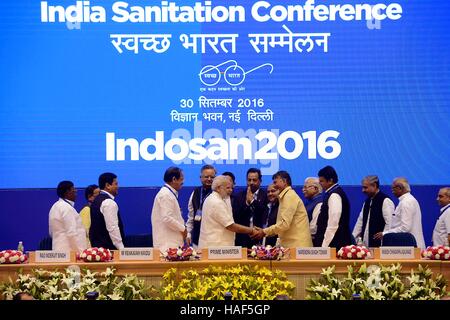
{"points": [[298, 271]]}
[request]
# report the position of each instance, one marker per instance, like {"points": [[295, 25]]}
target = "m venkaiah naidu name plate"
{"points": [[52, 256], [391, 253], [224, 253], [313, 253], [136, 254]]}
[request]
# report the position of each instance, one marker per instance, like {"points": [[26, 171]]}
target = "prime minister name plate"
{"points": [[224, 253], [393, 253], [134, 254], [312, 253], [52, 256]]}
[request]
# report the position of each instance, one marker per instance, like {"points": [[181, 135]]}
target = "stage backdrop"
{"points": [[133, 87]]}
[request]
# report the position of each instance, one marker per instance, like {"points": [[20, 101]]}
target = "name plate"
{"points": [[133, 254], [313, 253], [52, 256], [392, 253], [224, 253], [372, 253]]}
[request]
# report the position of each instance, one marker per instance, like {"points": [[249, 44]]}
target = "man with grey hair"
{"points": [[441, 232], [407, 216], [218, 228], [312, 190], [376, 213]]}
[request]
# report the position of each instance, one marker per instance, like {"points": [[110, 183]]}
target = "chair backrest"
{"points": [[138, 241], [46, 243], [401, 239]]}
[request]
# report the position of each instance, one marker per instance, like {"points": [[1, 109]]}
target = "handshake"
{"points": [[257, 233]]}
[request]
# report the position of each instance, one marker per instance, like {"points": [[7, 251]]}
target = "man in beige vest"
{"points": [[292, 224]]}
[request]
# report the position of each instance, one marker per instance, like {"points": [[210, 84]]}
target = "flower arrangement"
{"points": [[378, 283], [212, 283], [437, 253], [95, 255], [353, 252], [268, 253], [184, 253], [74, 285], [12, 256]]}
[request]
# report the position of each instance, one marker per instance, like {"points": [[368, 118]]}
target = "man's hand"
{"points": [[257, 234], [378, 236], [184, 233], [249, 197], [254, 233]]}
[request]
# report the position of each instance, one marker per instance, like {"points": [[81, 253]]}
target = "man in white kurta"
{"points": [[407, 216], [65, 226], [218, 228], [441, 232], [168, 227], [217, 216]]}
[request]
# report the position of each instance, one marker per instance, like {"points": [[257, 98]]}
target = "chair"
{"points": [[45, 244], [138, 241], [401, 239]]}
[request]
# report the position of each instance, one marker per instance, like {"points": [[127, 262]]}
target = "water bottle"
{"points": [[359, 241], [20, 247], [278, 244]]}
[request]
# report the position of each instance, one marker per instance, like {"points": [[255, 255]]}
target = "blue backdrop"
{"points": [[384, 86]]}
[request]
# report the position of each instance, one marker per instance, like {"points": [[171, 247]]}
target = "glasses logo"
{"points": [[234, 74]]}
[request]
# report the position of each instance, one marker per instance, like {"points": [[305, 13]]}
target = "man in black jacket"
{"points": [[272, 213], [196, 200], [376, 213], [250, 207], [106, 224], [333, 223]]}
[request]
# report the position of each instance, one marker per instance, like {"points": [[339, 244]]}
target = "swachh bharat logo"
{"points": [[233, 74]]}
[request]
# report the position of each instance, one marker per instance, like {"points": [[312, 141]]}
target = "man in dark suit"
{"points": [[333, 222], [250, 207], [272, 212], [106, 224]]}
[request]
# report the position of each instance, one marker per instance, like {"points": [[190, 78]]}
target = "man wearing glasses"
{"points": [[376, 213], [312, 190], [407, 216], [195, 205]]}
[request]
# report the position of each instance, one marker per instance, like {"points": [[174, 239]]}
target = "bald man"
{"points": [[407, 216]]}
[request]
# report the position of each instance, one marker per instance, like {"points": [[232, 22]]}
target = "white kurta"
{"points": [[442, 228], [334, 216], [66, 228], [407, 217], [110, 211], [167, 221], [217, 215], [387, 209]]}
